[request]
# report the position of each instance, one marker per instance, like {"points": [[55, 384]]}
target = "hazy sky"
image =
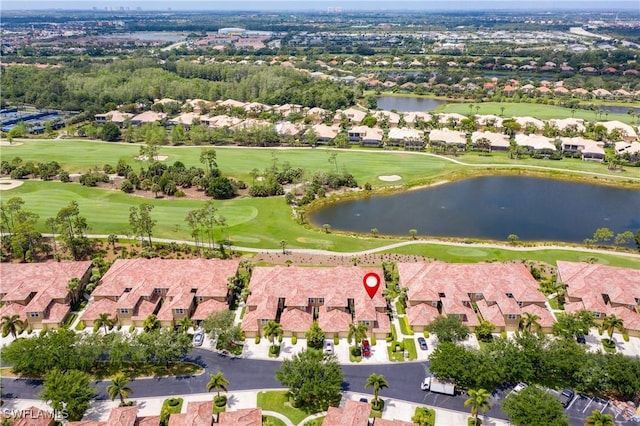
{"points": [[544, 5]]}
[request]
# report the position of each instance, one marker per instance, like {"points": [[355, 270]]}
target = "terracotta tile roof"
{"points": [[243, 417], [33, 416], [421, 314], [19, 280], [546, 319], [11, 309], [630, 318], [334, 320], [122, 416], [383, 323], [491, 313], [197, 414], [97, 307], [207, 307], [296, 320], [147, 421], [296, 285], [354, 413], [87, 423], [56, 313], [144, 308]]}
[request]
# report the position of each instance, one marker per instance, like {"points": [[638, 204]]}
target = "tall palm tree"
{"points": [[479, 401], [529, 321], [612, 323], [73, 287], [119, 388], [402, 295], [598, 419], [103, 320], [184, 324], [272, 330], [357, 332], [12, 325], [218, 382], [377, 382]]}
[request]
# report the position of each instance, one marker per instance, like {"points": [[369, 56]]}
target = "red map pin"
{"points": [[371, 283]]}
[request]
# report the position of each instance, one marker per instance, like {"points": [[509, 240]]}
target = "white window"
{"points": [[33, 314], [179, 311], [510, 295], [200, 298], [512, 316], [321, 300], [521, 304], [124, 310], [264, 321], [597, 314], [478, 296], [365, 322]]}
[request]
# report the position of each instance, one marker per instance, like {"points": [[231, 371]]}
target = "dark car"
{"points": [[366, 348], [581, 339], [566, 396], [198, 339], [423, 343]]}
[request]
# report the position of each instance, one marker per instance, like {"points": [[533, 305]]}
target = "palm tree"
{"points": [[479, 401], [119, 388], [218, 382], [272, 330], [12, 325], [184, 324], [402, 295], [357, 332], [150, 323], [73, 287], [103, 320], [598, 419], [377, 382], [529, 321], [612, 323]]}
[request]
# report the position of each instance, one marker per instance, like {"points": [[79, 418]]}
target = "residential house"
{"points": [[232, 103], [325, 133], [354, 413], [121, 416], [198, 413], [39, 292], [287, 129], [133, 289], [148, 117], [392, 117], [626, 131], [603, 290], [373, 137], [288, 109], [220, 121], [629, 150], [451, 118], [497, 141], [489, 121], [452, 138], [406, 137], [497, 292], [537, 143], [115, 117], [529, 121], [590, 149], [568, 124], [413, 117], [356, 134], [186, 119], [294, 296], [355, 116], [242, 417], [602, 94]]}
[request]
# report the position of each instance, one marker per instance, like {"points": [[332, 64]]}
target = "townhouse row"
{"points": [[133, 289]]}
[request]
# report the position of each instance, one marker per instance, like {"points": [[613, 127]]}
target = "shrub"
{"points": [[95, 328], [405, 327], [377, 404], [373, 341], [473, 422], [274, 351], [294, 340], [257, 340], [355, 351], [132, 328], [80, 326], [336, 340], [426, 334], [503, 334], [424, 416], [625, 337]]}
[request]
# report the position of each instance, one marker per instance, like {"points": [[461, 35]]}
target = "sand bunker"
{"points": [[157, 157], [391, 178], [7, 184]]}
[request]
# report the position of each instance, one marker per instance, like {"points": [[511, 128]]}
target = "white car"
{"points": [[328, 347], [519, 387]]}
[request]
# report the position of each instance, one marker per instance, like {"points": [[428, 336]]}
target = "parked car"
{"points": [[198, 339], [423, 343], [328, 347], [519, 387], [581, 339], [566, 396], [364, 400], [366, 348]]}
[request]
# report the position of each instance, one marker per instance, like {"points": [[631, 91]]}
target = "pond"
{"points": [[492, 207], [618, 109], [408, 103]]}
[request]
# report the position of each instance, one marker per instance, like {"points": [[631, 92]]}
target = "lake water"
{"points": [[492, 207], [408, 103], [618, 109]]}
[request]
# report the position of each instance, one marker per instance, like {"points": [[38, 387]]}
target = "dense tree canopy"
{"points": [[314, 379], [534, 406]]}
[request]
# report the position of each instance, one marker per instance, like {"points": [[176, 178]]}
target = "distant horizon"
{"points": [[323, 5]]}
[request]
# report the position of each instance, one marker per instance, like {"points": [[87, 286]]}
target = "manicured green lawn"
{"points": [[461, 254], [274, 421], [540, 111], [279, 402], [405, 327]]}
